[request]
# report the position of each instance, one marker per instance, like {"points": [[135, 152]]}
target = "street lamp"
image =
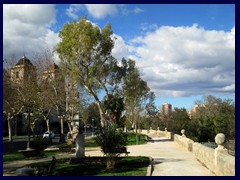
{"points": [[92, 126]]}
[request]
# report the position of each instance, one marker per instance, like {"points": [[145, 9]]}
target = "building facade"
{"points": [[166, 109]]}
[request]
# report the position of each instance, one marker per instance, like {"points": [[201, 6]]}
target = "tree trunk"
{"points": [[32, 129], [48, 127], [62, 138], [102, 115], [15, 129], [10, 130]]}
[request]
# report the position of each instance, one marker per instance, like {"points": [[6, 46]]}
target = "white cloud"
{"points": [[73, 9], [120, 49], [100, 11], [26, 28], [185, 61], [138, 10]]}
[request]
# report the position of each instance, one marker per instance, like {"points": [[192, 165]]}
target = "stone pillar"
{"points": [[183, 133], [219, 139], [158, 131], [80, 148]]}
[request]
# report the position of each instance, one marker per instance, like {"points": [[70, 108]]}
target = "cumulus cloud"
{"points": [[27, 28], [185, 61], [100, 11], [73, 9], [120, 49]]}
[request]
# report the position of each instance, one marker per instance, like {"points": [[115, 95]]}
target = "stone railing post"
{"points": [[219, 139], [166, 132], [183, 133], [158, 131]]}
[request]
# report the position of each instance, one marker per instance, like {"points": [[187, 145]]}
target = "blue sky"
{"points": [[183, 51]]}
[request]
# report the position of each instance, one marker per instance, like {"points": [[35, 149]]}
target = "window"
{"points": [[17, 75]]}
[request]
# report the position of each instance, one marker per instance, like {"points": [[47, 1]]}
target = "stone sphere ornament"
{"points": [[220, 139], [183, 132]]}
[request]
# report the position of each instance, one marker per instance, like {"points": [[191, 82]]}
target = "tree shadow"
{"points": [[162, 160]]}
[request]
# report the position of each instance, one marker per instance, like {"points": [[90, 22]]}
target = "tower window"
{"points": [[17, 75]]}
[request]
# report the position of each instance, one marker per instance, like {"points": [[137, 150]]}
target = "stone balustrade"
{"points": [[217, 160], [184, 142]]}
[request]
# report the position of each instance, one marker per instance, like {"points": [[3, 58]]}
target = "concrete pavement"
{"points": [[168, 159]]}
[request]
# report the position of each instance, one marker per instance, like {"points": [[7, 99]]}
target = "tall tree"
{"points": [[136, 93], [85, 53]]}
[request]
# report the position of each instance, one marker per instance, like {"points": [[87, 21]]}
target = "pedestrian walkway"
{"points": [[168, 159]]}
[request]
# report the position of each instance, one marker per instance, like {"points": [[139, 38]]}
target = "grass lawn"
{"points": [[13, 157], [127, 166], [131, 141], [88, 143], [19, 156]]}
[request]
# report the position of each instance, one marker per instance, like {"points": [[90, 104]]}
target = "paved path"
{"points": [[168, 159]]}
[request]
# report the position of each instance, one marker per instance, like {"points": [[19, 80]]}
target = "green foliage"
{"points": [[85, 53], [114, 106], [213, 115], [109, 138], [136, 93], [180, 118], [131, 140], [39, 143], [13, 157]]}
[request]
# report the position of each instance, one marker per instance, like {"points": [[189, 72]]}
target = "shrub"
{"points": [[39, 143], [108, 138]]}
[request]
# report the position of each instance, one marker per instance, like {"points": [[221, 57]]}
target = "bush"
{"points": [[108, 138], [39, 143]]}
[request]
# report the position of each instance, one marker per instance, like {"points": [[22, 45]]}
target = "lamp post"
{"points": [[92, 126]]}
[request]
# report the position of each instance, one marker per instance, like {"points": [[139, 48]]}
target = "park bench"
{"points": [[119, 150]]}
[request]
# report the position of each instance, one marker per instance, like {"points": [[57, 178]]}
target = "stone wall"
{"points": [[218, 161], [184, 142], [204, 154]]}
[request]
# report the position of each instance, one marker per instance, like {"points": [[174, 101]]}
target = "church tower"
{"points": [[23, 71]]}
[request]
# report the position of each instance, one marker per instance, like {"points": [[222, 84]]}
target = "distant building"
{"points": [[52, 73], [166, 109], [193, 111], [166, 116], [23, 71]]}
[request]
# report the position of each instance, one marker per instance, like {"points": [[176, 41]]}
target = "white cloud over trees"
{"points": [[185, 61], [175, 61], [27, 28]]}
